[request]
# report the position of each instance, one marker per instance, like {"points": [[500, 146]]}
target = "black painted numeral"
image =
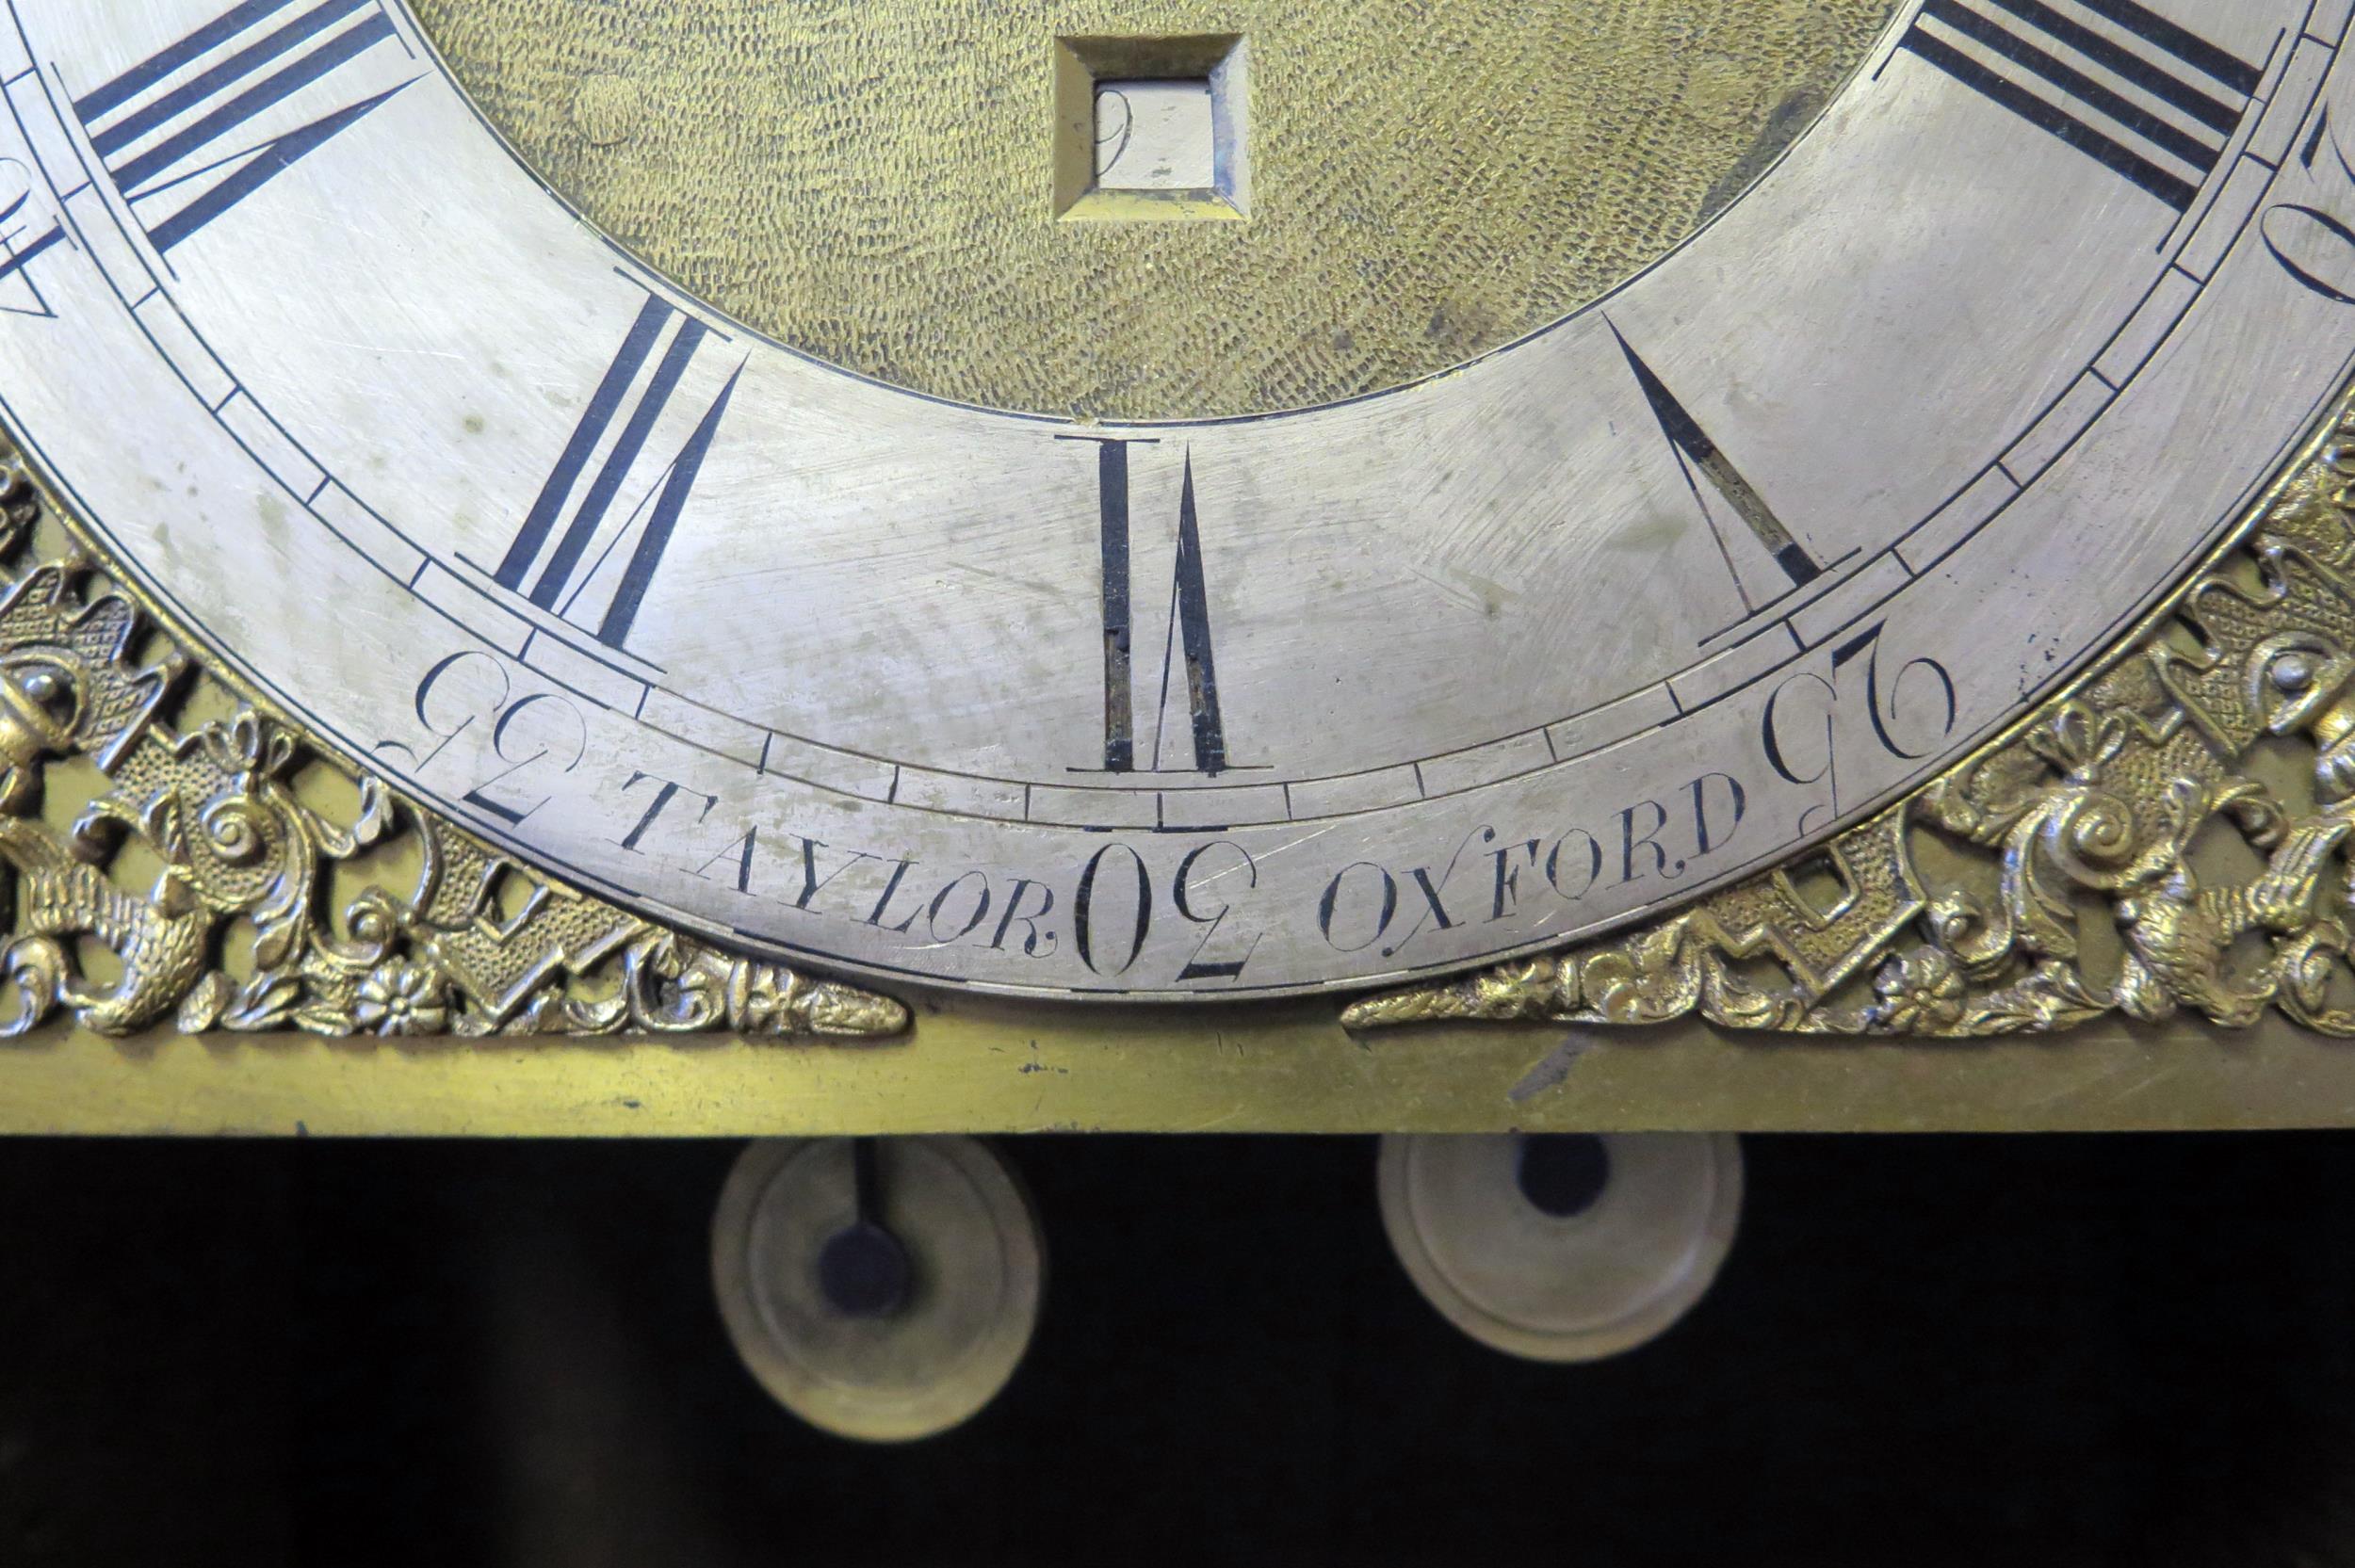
{"points": [[1193, 630], [1188, 646], [634, 399], [1698, 459], [1111, 490], [2042, 65], [169, 129]]}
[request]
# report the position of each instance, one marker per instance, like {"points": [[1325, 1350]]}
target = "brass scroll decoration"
{"points": [[188, 874], [2170, 837]]}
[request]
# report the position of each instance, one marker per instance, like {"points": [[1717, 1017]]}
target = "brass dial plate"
{"points": [[1372, 691]]}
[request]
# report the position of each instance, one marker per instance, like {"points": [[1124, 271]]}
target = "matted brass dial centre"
{"points": [[871, 183]]}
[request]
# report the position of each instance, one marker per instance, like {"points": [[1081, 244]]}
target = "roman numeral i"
{"points": [[189, 132]]}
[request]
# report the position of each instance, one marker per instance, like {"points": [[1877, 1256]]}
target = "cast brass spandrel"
{"points": [[241, 928], [2169, 835]]}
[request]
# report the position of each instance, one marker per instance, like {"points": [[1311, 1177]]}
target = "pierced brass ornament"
{"points": [[2169, 834], [474, 945], [2099, 808]]}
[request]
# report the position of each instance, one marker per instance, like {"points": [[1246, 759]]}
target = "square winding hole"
{"points": [[1155, 134], [1152, 128]]}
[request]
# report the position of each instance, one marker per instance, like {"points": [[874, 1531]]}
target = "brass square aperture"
{"points": [[1109, 90]]}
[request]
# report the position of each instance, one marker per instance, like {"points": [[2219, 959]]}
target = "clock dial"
{"points": [[1278, 702]]}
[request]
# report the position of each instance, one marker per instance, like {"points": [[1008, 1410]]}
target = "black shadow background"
{"points": [[1922, 1351]]}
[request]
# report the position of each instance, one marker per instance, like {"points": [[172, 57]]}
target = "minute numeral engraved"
{"points": [[1698, 459], [2157, 104], [635, 400], [1187, 648], [178, 131], [2315, 246]]}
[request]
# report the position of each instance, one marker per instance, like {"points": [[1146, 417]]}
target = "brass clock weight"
{"points": [[1556, 582]]}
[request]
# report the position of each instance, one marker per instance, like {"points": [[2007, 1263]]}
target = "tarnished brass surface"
{"points": [[873, 182], [2155, 861], [2171, 835], [972, 1067]]}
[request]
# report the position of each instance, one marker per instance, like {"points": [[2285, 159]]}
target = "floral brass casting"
{"points": [[2170, 836]]}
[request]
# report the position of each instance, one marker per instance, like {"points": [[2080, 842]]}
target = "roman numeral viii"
{"points": [[2144, 97], [1187, 644], [614, 437], [192, 131]]}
